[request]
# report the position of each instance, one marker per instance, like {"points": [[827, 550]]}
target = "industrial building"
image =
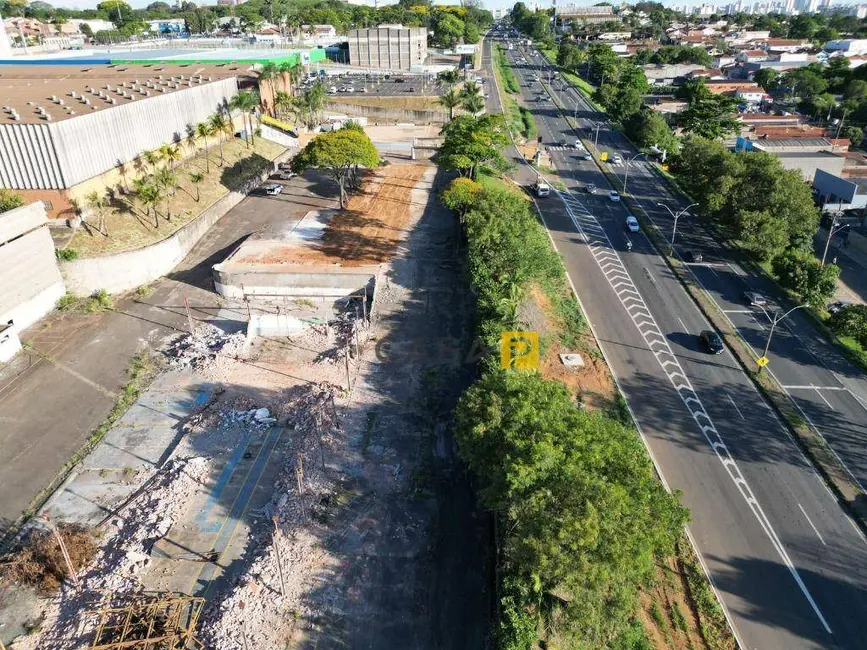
{"points": [[388, 47], [63, 125], [584, 14]]}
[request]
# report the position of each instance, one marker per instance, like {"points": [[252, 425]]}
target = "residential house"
{"points": [[752, 56], [757, 120], [614, 36], [751, 95], [668, 74], [856, 61], [748, 36], [778, 45], [317, 32]]}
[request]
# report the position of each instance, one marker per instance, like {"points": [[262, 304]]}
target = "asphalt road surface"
{"points": [[789, 565]]}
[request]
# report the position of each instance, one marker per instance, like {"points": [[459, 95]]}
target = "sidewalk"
{"points": [[61, 389], [852, 261]]}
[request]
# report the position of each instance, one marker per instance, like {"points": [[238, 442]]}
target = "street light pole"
{"points": [[675, 216], [626, 173], [833, 230], [776, 319]]}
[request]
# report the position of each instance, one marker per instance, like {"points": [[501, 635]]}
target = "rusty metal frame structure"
{"points": [[149, 622]]}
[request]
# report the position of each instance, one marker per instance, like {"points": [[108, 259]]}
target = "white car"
{"points": [[614, 196], [632, 224], [286, 175], [272, 188], [616, 159]]}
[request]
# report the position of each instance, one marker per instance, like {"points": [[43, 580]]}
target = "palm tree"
{"points": [[448, 77], [195, 179], [450, 100], [219, 125], [294, 70], [166, 181], [149, 195], [282, 102], [246, 102], [204, 131], [171, 153], [268, 73], [96, 202], [152, 158], [474, 104]]}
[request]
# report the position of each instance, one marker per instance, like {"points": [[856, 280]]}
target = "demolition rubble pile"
{"points": [[124, 544], [265, 601], [203, 350]]}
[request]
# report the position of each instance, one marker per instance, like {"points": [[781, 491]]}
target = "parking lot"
{"points": [[396, 85]]}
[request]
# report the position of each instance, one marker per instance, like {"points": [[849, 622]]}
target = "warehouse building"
{"points": [[61, 126], [388, 47]]}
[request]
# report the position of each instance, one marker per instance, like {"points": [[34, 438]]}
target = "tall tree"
{"points": [[471, 142], [245, 102], [450, 100], [338, 152]]}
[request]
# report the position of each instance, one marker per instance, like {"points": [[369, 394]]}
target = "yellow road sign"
{"points": [[761, 362]]}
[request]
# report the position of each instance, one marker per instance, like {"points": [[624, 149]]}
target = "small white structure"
{"points": [[849, 47], [30, 282]]}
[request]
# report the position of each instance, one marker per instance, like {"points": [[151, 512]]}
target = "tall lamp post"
{"points": [[774, 320], [675, 216], [831, 232], [626, 173]]}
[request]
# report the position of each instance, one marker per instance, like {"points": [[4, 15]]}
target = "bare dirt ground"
{"points": [[367, 232]]}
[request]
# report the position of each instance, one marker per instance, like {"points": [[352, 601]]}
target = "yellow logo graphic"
{"points": [[519, 350]]}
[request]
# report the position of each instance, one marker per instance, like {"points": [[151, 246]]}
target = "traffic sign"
{"points": [[761, 362]]}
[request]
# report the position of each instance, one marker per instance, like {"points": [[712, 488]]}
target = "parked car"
{"points": [[590, 188], [632, 224], [272, 188], [834, 307], [587, 155], [711, 342], [287, 175], [693, 256], [755, 299], [614, 195], [399, 80], [284, 165]]}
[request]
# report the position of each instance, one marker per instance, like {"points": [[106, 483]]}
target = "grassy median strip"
{"points": [[507, 76]]}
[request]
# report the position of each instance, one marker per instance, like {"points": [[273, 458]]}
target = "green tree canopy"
{"points": [[339, 152], [647, 128], [10, 200], [471, 142]]}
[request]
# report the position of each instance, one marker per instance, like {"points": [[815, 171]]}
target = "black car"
{"points": [[711, 341], [693, 256], [399, 81]]}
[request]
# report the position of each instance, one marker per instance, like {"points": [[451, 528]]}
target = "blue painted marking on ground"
{"points": [[240, 505], [203, 397], [202, 522]]}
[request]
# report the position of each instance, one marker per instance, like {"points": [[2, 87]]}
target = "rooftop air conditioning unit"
{"points": [[73, 94], [54, 98], [87, 101], [47, 117]]}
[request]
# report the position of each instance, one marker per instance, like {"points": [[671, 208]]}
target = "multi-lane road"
{"points": [[789, 565]]}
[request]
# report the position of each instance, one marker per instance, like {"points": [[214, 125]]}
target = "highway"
{"points": [[789, 565]]}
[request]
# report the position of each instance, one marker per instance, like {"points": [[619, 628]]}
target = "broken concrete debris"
{"points": [[201, 349]]}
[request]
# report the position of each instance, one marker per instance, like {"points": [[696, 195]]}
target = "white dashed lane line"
{"points": [[618, 278]]}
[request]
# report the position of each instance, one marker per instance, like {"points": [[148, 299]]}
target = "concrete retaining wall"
{"points": [[381, 114], [131, 269], [248, 280]]}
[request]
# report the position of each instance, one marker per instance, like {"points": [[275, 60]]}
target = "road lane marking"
{"points": [[736, 406], [819, 393], [738, 311], [660, 347], [683, 325], [812, 387], [810, 521]]}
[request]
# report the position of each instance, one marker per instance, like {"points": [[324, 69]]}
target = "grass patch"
{"points": [[131, 225], [528, 122], [96, 303], [678, 619], [505, 73], [658, 617], [66, 254], [144, 290], [712, 619]]}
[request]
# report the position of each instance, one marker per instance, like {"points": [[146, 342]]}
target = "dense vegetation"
{"points": [[582, 515]]}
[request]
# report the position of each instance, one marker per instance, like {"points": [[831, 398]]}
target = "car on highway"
{"points": [[587, 155], [617, 159], [693, 256], [590, 188], [579, 145], [755, 299], [711, 342], [614, 195], [632, 224], [837, 306], [272, 188]]}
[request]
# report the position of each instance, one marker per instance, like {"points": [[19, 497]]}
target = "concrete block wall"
{"points": [[131, 269]]}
